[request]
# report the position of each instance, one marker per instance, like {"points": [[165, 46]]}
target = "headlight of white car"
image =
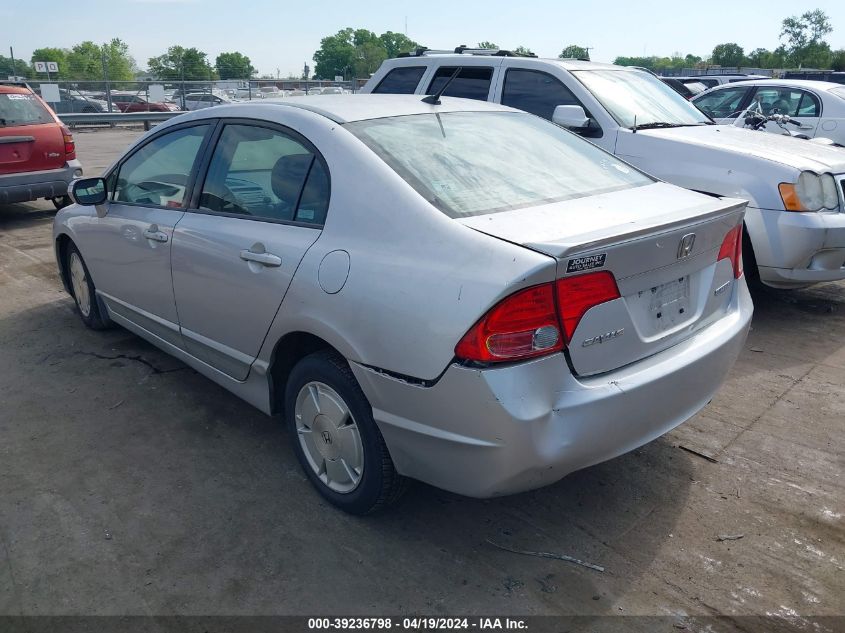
{"points": [[811, 193]]}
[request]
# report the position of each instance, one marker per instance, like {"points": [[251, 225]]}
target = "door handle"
{"points": [[256, 253], [154, 234]]}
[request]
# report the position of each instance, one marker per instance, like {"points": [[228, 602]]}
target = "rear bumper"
{"points": [[32, 185], [490, 432], [803, 248]]}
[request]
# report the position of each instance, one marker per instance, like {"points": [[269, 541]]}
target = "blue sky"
{"points": [[284, 35]]}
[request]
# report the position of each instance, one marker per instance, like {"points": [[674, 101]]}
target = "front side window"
{"points": [[722, 104], [473, 163], [158, 173], [22, 109], [473, 82], [401, 81], [535, 92], [634, 97], [266, 174]]}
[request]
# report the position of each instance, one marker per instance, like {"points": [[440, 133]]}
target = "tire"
{"points": [[83, 291], [335, 438], [749, 260], [61, 202]]}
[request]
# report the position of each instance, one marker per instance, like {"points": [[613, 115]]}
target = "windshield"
{"points": [[22, 109], [472, 163], [629, 93]]}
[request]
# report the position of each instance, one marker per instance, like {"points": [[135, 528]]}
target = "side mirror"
{"points": [[88, 191], [571, 116]]}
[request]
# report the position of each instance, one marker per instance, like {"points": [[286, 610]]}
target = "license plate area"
{"points": [[669, 303]]}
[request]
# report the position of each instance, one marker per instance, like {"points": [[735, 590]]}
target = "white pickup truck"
{"points": [[795, 223]]}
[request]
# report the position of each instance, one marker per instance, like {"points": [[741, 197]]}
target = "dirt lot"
{"points": [[129, 484]]}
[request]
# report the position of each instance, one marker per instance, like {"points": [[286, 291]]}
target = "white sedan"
{"points": [[817, 106]]}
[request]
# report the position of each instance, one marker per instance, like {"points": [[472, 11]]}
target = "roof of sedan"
{"points": [[348, 108], [798, 83]]}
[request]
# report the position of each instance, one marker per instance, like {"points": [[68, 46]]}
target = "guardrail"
{"points": [[110, 118]]}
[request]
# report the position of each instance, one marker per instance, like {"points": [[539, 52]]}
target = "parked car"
{"points": [[200, 100], [795, 234], [686, 90], [268, 91], [502, 304], [72, 101], [37, 152], [710, 81], [818, 106], [133, 102]]}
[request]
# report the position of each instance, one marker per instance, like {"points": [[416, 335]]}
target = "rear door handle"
{"points": [[257, 254], [154, 234]]}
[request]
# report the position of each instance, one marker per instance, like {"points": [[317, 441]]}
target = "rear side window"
{"points": [[473, 82], [401, 81], [264, 173], [535, 92], [789, 101], [722, 104], [22, 109]]}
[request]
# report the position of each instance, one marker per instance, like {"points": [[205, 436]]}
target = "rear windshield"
{"points": [[472, 163], [22, 109]]}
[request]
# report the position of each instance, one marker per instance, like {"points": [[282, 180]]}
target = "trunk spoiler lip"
{"points": [[585, 243]]}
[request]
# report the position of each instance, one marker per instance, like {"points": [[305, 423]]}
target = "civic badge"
{"points": [[685, 247]]}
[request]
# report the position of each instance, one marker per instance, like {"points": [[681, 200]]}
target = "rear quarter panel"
{"points": [[417, 280]]}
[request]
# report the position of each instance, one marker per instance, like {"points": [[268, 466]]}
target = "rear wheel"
{"points": [[335, 437], [83, 291]]}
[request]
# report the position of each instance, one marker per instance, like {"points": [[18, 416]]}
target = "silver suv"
{"points": [[795, 226]]}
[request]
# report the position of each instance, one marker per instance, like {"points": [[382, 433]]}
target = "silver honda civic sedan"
{"points": [[458, 293]]}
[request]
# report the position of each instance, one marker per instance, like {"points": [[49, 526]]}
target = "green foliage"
{"points": [[729, 54], [357, 52], [489, 45], [181, 63], [395, 43], [234, 66], [20, 68], [58, 55], [573, 51], [523, 50], [837, 60], [804, 39]]}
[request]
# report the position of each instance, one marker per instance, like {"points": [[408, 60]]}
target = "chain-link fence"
{"points": [[66, 96]]}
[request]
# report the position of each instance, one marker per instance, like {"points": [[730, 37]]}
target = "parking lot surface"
{"points": [[129, 484]]}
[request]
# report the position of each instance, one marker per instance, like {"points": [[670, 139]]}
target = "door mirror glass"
{"points": [[571, 116], [88, 191]]}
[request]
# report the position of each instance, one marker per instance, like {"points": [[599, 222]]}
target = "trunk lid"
{"points": [[30, 138], [671, 285]]}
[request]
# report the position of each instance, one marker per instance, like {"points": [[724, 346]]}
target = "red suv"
{"points": [[37, 152]]}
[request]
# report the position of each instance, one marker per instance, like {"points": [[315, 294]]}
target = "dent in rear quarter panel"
{"points": [[418, 280]]}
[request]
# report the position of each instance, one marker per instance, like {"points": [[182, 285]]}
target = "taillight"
{"points": [[523, 325], [535, 321], [70, 146], [576, 295], [732, 249]]}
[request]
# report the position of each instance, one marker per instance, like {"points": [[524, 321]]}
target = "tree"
{"points": [[573, 51], [395, 43], [729, 54], [234, 66], [837, 60], [523, 50], [19, 69], [490, 45], [181, 63], [120, 64], [804, 39], [58, 55], [357, 52]]}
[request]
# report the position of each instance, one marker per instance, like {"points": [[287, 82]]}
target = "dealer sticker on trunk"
{"points": [[589, 262]]}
